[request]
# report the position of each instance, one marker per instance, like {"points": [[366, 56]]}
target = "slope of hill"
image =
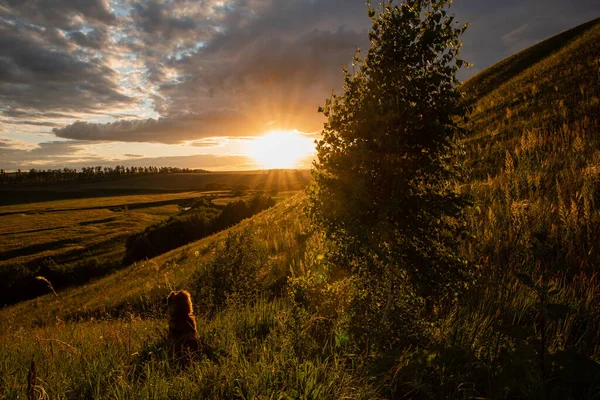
{"points": [[107, 339], [503, 71], [529, 327], [534, 154], [544, 89]]}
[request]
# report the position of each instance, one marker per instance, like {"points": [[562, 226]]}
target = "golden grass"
{"points": [[143, 284]]}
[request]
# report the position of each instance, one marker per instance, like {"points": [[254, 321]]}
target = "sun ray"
{"points": [[280, 149]]}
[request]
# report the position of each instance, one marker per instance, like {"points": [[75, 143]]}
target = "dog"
{"points": [[182, 326]]}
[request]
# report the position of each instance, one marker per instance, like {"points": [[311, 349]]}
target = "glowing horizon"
{"points": [[280, 149]]}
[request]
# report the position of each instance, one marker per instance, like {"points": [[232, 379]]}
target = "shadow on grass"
{"points": [[35, 248]]}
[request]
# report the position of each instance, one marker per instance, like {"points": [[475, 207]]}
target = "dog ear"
{"points": [[171, 295]]}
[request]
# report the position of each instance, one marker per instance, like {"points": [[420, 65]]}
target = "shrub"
{"points": [[232, 274], [202, 220]]}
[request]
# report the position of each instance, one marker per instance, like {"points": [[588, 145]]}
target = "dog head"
{"points": [[179, 302]]}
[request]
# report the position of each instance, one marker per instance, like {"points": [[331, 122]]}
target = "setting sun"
{"points": [[281, 149]]}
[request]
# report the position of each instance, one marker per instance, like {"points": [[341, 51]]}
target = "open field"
{"points": [[84, 238], [57, 228], [283, 230], [51, 229], [70, 221], [278, 180]]}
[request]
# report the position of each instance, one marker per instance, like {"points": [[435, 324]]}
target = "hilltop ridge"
{"points": [[492, 77]]}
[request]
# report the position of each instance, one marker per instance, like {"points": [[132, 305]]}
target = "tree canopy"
{"points": [[385, 181]]}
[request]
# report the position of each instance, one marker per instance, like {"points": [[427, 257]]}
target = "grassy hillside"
{"points": [[107, 339], [83, 235], [496, 75], [533, 159]]}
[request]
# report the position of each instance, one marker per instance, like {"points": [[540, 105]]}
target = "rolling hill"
{"points": [[529, 327]]}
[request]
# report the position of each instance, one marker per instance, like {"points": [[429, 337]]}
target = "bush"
{"points": [[232, 275], [237, 211], [202, 220], [170, 234]]}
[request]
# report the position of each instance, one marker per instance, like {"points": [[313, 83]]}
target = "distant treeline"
{"points": [[203, 218], [19, 281], [86, 173]]}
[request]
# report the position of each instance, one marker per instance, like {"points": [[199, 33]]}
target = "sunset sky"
{"points": [[221, 85]]}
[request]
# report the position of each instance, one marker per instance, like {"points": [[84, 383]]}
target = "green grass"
{"points": [[533, 158], [95, 340], [127, 358], [83, 239], [141, 286]]}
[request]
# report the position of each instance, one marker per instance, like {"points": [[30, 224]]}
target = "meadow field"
{"points": [[277, 180], [84, 237]]}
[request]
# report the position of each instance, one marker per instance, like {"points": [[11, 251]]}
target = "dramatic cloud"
{"points": [[235, 70], [165, 130], [42, 69], [59, 13]]}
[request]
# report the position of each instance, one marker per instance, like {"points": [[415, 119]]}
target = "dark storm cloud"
{"points": [[165, 130]]}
